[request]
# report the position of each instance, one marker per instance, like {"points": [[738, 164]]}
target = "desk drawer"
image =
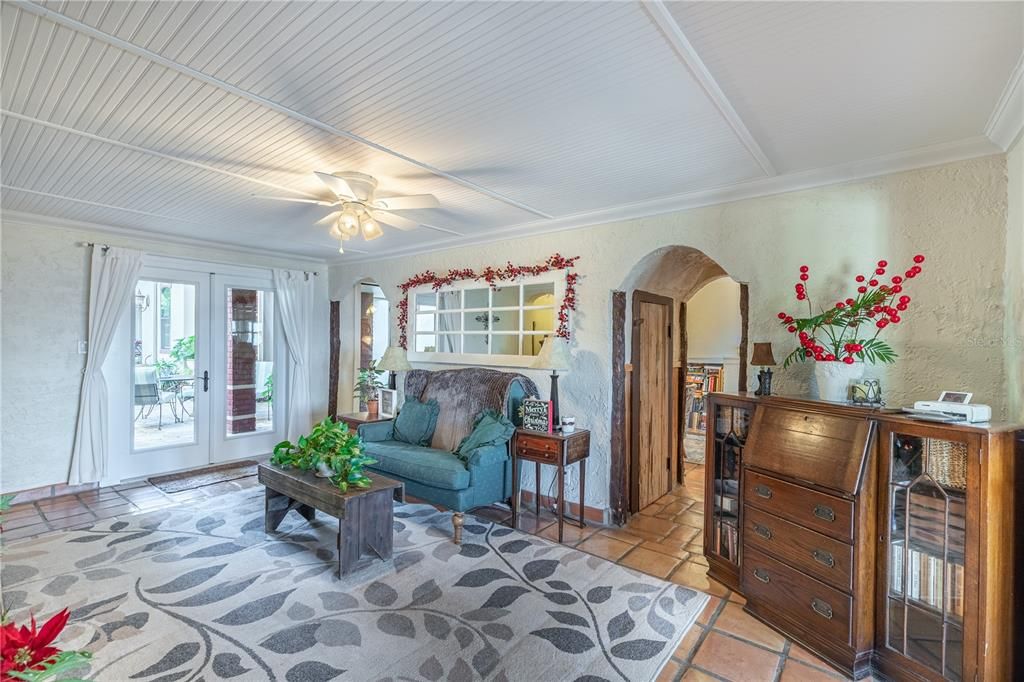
{"points": [[826, 514], [796, 596], [817, 555], [533, 447]]}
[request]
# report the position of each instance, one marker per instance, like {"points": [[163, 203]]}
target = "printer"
{"points": [[959, 409]]}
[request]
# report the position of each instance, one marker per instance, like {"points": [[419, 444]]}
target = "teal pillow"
{"points": [[489, 428], [416, 422]]}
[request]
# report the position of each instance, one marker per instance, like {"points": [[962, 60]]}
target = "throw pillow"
{"points": [[416, 422], [489, 428]]}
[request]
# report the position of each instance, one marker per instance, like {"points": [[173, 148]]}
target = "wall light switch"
{"points": [[83, 347]]}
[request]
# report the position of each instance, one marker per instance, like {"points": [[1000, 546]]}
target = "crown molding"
{"points": [[923, 157], [35, 220], [1007, 119], [149, 55], [687, 54]]}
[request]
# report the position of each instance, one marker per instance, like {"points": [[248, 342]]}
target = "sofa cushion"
{"points": [[416, 422], [490, 428], [435, 468]]}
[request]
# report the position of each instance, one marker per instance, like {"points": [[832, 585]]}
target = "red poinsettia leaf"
{"points": [[52, 628]]}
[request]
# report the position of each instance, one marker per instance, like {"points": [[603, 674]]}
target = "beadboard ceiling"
{"points": [[166, 117]]}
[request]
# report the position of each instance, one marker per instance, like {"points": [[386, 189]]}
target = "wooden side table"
{"points": [[354, 419], [550, 448]]}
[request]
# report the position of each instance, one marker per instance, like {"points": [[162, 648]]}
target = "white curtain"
{"points": [[295, 297], [112, 280]]}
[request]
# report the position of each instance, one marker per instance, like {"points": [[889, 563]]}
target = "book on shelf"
{"points": [[700, 380], [929, 580]]}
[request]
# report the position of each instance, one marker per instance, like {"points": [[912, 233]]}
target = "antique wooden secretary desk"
{"points": [[878, 542]]}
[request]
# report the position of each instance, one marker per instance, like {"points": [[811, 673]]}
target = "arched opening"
{"points": [[657, 393], [372, 328]]}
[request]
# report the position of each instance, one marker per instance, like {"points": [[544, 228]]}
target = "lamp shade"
{"points": [[554, 354], [394, 360], [763, 355]]}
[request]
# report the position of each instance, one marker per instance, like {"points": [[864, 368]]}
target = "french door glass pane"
{"points": [[250, 361], [164, 325]]}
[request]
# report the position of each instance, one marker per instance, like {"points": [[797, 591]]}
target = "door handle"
{"points": [[206, 381]]}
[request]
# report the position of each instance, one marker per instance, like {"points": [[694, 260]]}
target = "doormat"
{"points": [[693, 446], [197, 478]]}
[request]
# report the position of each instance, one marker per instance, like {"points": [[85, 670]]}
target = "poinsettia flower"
{"points": [[26, 648]]}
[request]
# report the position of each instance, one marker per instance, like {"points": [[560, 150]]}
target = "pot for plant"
{"points": [[324, 471], [373, 407], [834, 379]]}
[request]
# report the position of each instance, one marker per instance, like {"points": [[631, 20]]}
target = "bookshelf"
{"points": [[701, 380]]}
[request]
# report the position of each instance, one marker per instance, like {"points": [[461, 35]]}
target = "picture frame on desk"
{"points": [[388, 402]]}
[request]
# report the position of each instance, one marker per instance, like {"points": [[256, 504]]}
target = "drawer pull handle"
{"points": [[823, 557], [821, 608], [764, 532], [763, 491], [762, 575], [824, 513]]}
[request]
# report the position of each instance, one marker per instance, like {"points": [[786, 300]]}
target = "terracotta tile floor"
{"points": [[664, 540]]}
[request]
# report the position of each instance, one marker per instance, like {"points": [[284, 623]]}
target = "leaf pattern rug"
{"points": [[202, 593]]}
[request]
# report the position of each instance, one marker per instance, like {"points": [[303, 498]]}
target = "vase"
{"points": [[373, 407], [834, 379], [324, 471]]}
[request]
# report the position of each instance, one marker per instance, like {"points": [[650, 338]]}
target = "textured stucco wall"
{"points": [[1013, 336], [955, 214], [45, 309], [713, 326]]}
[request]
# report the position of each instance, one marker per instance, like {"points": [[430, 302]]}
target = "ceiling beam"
{"points": [[688, 55], [132, 48]]}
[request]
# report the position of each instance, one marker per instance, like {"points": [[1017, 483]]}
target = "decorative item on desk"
{"points": [[868, 392], [388, 402], [395, 360], [568, 425], [554, 355], [833, 337], [763, 358], [537, 415]]}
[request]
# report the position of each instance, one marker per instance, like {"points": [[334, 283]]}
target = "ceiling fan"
{"points": [[358, 208]]}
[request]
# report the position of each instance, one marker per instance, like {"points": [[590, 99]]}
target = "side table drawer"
{"points": [[824, 513], [537, 448]]}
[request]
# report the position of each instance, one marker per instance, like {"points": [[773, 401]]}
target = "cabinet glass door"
{"points": [[730, 426], [927, 503]]}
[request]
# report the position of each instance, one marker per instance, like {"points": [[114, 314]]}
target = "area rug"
{"points": [[203, 593], [196, 478], [694, 448]]}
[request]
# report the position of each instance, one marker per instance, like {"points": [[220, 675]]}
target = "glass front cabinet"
{"points": [[946, 518], [728, 424]]}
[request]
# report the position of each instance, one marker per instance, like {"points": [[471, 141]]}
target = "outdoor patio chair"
{"points": [[148, 395]]}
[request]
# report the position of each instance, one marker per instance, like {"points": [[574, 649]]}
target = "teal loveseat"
{"points": [[435, 474]]}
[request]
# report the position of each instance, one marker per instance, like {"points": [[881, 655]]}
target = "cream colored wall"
{"points": [[45, 308], [1013, 334], [713, 327], [955, 214]]}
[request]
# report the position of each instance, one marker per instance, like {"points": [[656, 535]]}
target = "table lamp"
{"points": [[763, 358], [554, 355], [394, 360]]}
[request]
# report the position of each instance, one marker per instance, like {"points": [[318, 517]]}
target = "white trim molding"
{"points": [[1007, 119]]}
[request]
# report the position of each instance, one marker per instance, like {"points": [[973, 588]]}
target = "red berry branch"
{"points": [[493, 276], [834, 334]]}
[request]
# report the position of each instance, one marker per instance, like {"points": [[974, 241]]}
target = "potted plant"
{"points": [[368, 384], [331, 450], [840, 339]]}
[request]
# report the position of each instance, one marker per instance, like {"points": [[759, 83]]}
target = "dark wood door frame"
{"points": [[618, 494], [681, 398], [634, 476]]}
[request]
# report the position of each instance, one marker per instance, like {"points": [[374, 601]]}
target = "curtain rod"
{"points": [[105, 247]]}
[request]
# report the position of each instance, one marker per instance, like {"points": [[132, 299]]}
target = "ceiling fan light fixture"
{"points": [[371, 228], [348, 221]]}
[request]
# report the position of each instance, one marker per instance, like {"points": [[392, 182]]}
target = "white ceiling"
{"points": [[165, 117]]}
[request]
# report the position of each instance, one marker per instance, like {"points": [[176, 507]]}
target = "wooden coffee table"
{"points": [[365, 515]]}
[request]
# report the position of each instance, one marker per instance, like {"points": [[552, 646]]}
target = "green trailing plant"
{"points": [[184, 349], [332, 444], [368, 382]]}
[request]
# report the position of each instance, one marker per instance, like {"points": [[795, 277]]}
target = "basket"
{"points": [[946, 462]]}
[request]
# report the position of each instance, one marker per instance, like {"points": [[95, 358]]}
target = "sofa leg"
{"points": [[457, 522]]}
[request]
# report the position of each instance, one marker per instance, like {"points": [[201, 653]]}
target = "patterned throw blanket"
{"points": [[462, 394]]}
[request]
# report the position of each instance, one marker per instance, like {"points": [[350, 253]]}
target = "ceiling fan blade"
{"points": [[395, 220], [319, 202], [409, 202], [337, 185], [329, 218]]}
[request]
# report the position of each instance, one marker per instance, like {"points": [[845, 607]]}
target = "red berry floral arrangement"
{"points": [[835, 335]]}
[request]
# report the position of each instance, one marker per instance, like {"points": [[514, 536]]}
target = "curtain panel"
{"points": [[295, 301]]}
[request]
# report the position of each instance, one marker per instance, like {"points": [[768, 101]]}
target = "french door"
{"points": [[207, 369]]}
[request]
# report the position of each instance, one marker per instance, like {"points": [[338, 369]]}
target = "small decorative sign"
{"points": [[537, 415], [388, 402]]}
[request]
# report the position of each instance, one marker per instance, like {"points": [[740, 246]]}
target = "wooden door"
{"points": [[652, 399]]}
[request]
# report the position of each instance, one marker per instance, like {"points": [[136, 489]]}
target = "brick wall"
{"points": [[241, 388]]}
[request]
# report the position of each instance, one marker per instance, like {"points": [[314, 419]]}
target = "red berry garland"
{"points": [[493, 275]]}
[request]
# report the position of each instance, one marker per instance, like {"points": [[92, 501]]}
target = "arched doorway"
{"points": [[650, 412]]}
